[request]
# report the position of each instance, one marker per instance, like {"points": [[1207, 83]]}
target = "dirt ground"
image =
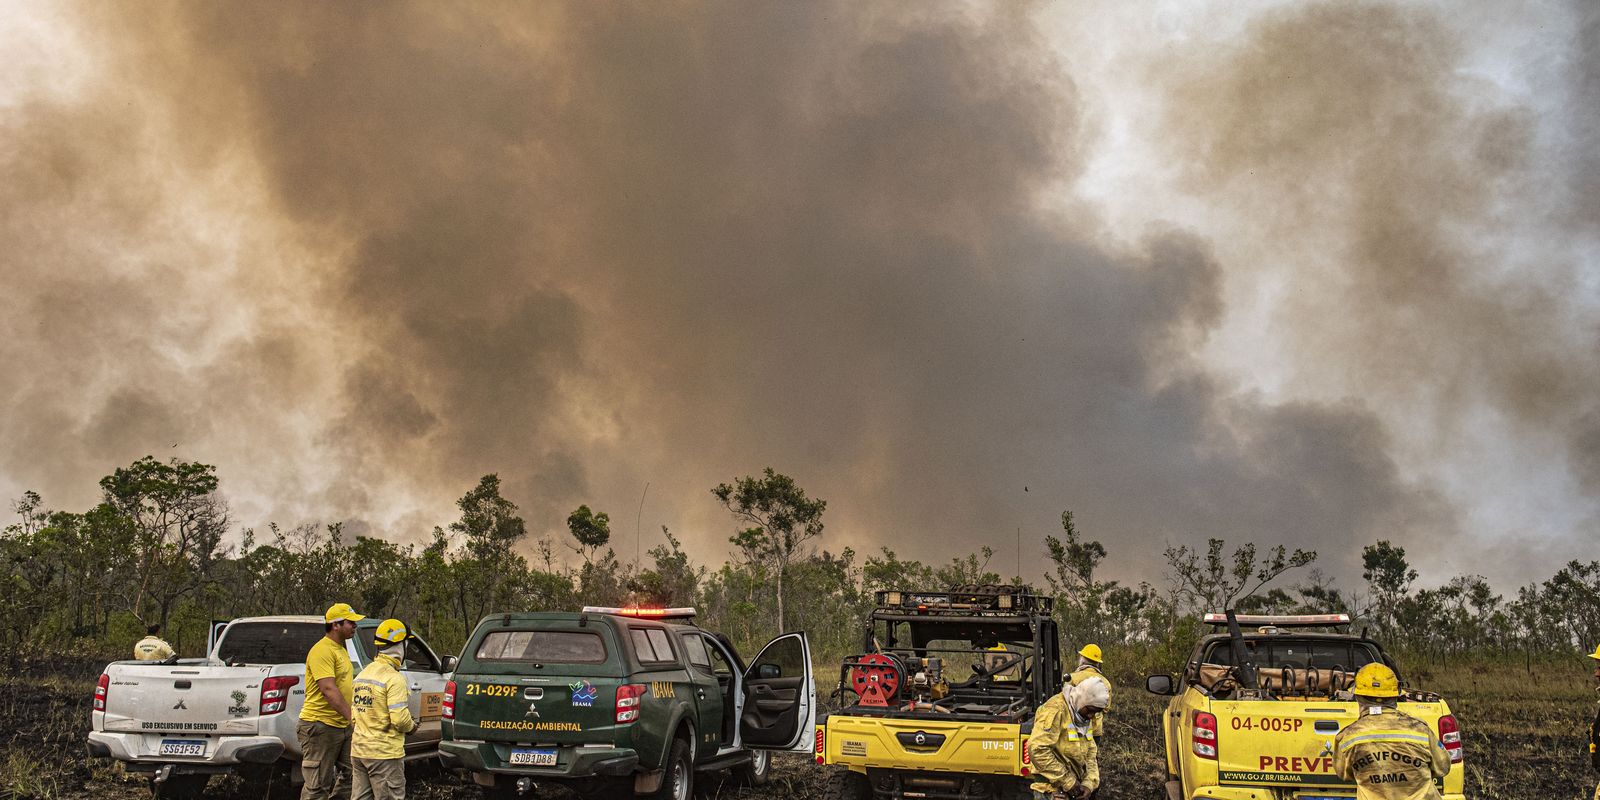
{"points": [[1525, 732]]}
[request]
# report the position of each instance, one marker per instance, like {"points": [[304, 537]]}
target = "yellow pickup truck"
{"points": [[1254, 714]]}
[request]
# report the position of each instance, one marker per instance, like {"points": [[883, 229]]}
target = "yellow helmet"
{"points": [[341, 611], [1091, 652], [1596, 654], [390, 632], [1376, 680]]}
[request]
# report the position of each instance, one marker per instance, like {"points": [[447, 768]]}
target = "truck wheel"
{"points": [[180, 787], [847, 785], [678, 782], [758, 771]]}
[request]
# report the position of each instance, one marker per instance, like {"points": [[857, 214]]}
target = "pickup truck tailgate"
{"points": [[925, 744], [573, 710], [159, 698], [1290, 742]]}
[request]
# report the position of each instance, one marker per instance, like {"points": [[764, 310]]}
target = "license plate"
{"points": [[533, 758], [183, 747]]}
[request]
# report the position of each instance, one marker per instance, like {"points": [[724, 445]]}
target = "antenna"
{"points": [[1019, 554], [637, 535]]}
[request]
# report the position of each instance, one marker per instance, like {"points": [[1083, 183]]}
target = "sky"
{"points": [[1312, 274]]}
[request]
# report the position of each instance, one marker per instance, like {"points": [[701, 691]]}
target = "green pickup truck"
{"points": [[610, 701]]}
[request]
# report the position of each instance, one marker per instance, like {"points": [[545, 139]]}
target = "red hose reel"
{"points": [[876, 679]]}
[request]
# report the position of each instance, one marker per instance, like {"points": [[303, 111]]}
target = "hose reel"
{"points": [[876, 679]]}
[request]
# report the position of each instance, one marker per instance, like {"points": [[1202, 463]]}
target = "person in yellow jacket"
{"points": [[152, 647], [1089, 662], [383, 718], [1594, 727], [1389, 755], [1065, 757]]}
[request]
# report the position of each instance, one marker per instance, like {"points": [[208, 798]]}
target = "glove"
{"points": [[1078, 792]]}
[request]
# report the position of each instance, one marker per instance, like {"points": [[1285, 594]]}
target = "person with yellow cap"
{"points": [[383, 718], [1062, 748], [324, 729], [1594, 727], [1388, 754], [152, 647], [1089, 663]]}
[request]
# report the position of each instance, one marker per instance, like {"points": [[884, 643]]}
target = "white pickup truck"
{"points": [[184, 720]]}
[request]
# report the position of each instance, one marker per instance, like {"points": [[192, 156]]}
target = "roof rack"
{"points": [[1282, 620], [985, 601]]}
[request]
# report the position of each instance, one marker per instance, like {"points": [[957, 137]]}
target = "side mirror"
{"points": [[449, 664], [769, 671], [1160, 684]]}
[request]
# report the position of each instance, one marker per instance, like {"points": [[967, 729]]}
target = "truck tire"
{"points": [[847, 785], [678, 782], [757, 772], [179, 787]]}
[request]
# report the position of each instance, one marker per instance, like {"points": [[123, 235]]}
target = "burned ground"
{"points": [[1524, 725]]}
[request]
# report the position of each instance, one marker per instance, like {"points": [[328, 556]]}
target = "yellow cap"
{"points": [[341, 611], [1091, 652], [1596, 654], [390, 632], [1376, 680]]}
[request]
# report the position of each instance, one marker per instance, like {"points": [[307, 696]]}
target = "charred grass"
{"points": [[1525, 729]]}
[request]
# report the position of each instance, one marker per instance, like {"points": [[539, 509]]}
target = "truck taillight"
{"points": [[1450, 735], [275, 694], [100, 688], [628, 697], [1027, 759], [1205, 735], [447, 707], [822, 744]]}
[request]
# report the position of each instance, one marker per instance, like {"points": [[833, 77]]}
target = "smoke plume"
{"points": [[359, 255]]}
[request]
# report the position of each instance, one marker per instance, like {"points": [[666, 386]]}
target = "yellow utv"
{"points": [[941, 702], [1254, 714]]}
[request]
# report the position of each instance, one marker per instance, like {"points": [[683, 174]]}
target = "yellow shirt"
{"points": [[152, 648], [326, 660], [383, 711]]}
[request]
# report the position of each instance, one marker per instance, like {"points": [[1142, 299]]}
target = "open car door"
{"points": [[780, 697]]}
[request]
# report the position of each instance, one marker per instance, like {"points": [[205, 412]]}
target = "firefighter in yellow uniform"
{"points": [[1594, 727], [382, 707], [1387, 754], [152, 647], [1089, 662], [1062, 749], [1001, 656]]}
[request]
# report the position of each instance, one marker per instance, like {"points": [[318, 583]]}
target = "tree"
{"points": [[1210, 583], [179, 521], [1389, 576], [591, 530], [672, 581], [489, 529], [782, 516], [1091, 610]]}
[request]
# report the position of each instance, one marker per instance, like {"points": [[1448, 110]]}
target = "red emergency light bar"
{"points": [[1281, 620], [642, 613]]}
